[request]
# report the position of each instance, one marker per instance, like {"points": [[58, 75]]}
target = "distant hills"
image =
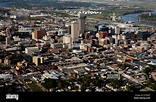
{"points": [[149, 4], [141, 3], [114, 0], [126, 0], [82, 0]]}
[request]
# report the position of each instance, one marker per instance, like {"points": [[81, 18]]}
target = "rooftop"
{"points": [[75, 66]]}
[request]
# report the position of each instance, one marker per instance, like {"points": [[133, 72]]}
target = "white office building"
{"points": [[30, 50], [74, 31]]}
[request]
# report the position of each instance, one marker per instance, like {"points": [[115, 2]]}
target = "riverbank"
{"points": [[137, 11], [134, 18], [143, 4], [148, 17]]}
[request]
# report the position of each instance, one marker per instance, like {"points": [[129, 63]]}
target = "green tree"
{"points": [[1, 67], [148, 69]]}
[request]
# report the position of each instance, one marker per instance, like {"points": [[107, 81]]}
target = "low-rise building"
{"points": [[67, 39], [30, 50], [72, 67], [38, 60]]}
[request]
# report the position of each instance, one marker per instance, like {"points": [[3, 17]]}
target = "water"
{"points": [[3, 4], [133, 17]]}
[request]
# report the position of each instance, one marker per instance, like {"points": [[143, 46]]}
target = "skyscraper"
{"points": [[81, 21], [74, 31], [7, 41], [8, 35], [117, 30]]}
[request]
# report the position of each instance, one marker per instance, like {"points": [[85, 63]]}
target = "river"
{"points": [[133, 17], [3, 4]]}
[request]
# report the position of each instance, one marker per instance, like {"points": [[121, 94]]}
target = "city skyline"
{"points": [[53, 46]]}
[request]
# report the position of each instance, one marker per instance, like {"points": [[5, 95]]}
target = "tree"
{"points": [[2, 38], [148, 69], [83, 88], [1, 67], [22, 47]]}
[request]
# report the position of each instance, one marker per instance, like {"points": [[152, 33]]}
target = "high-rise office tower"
{"points": [[117, 30], [81, 21], [7, 41], [74, 31], [8, 35], [69, 29]]}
